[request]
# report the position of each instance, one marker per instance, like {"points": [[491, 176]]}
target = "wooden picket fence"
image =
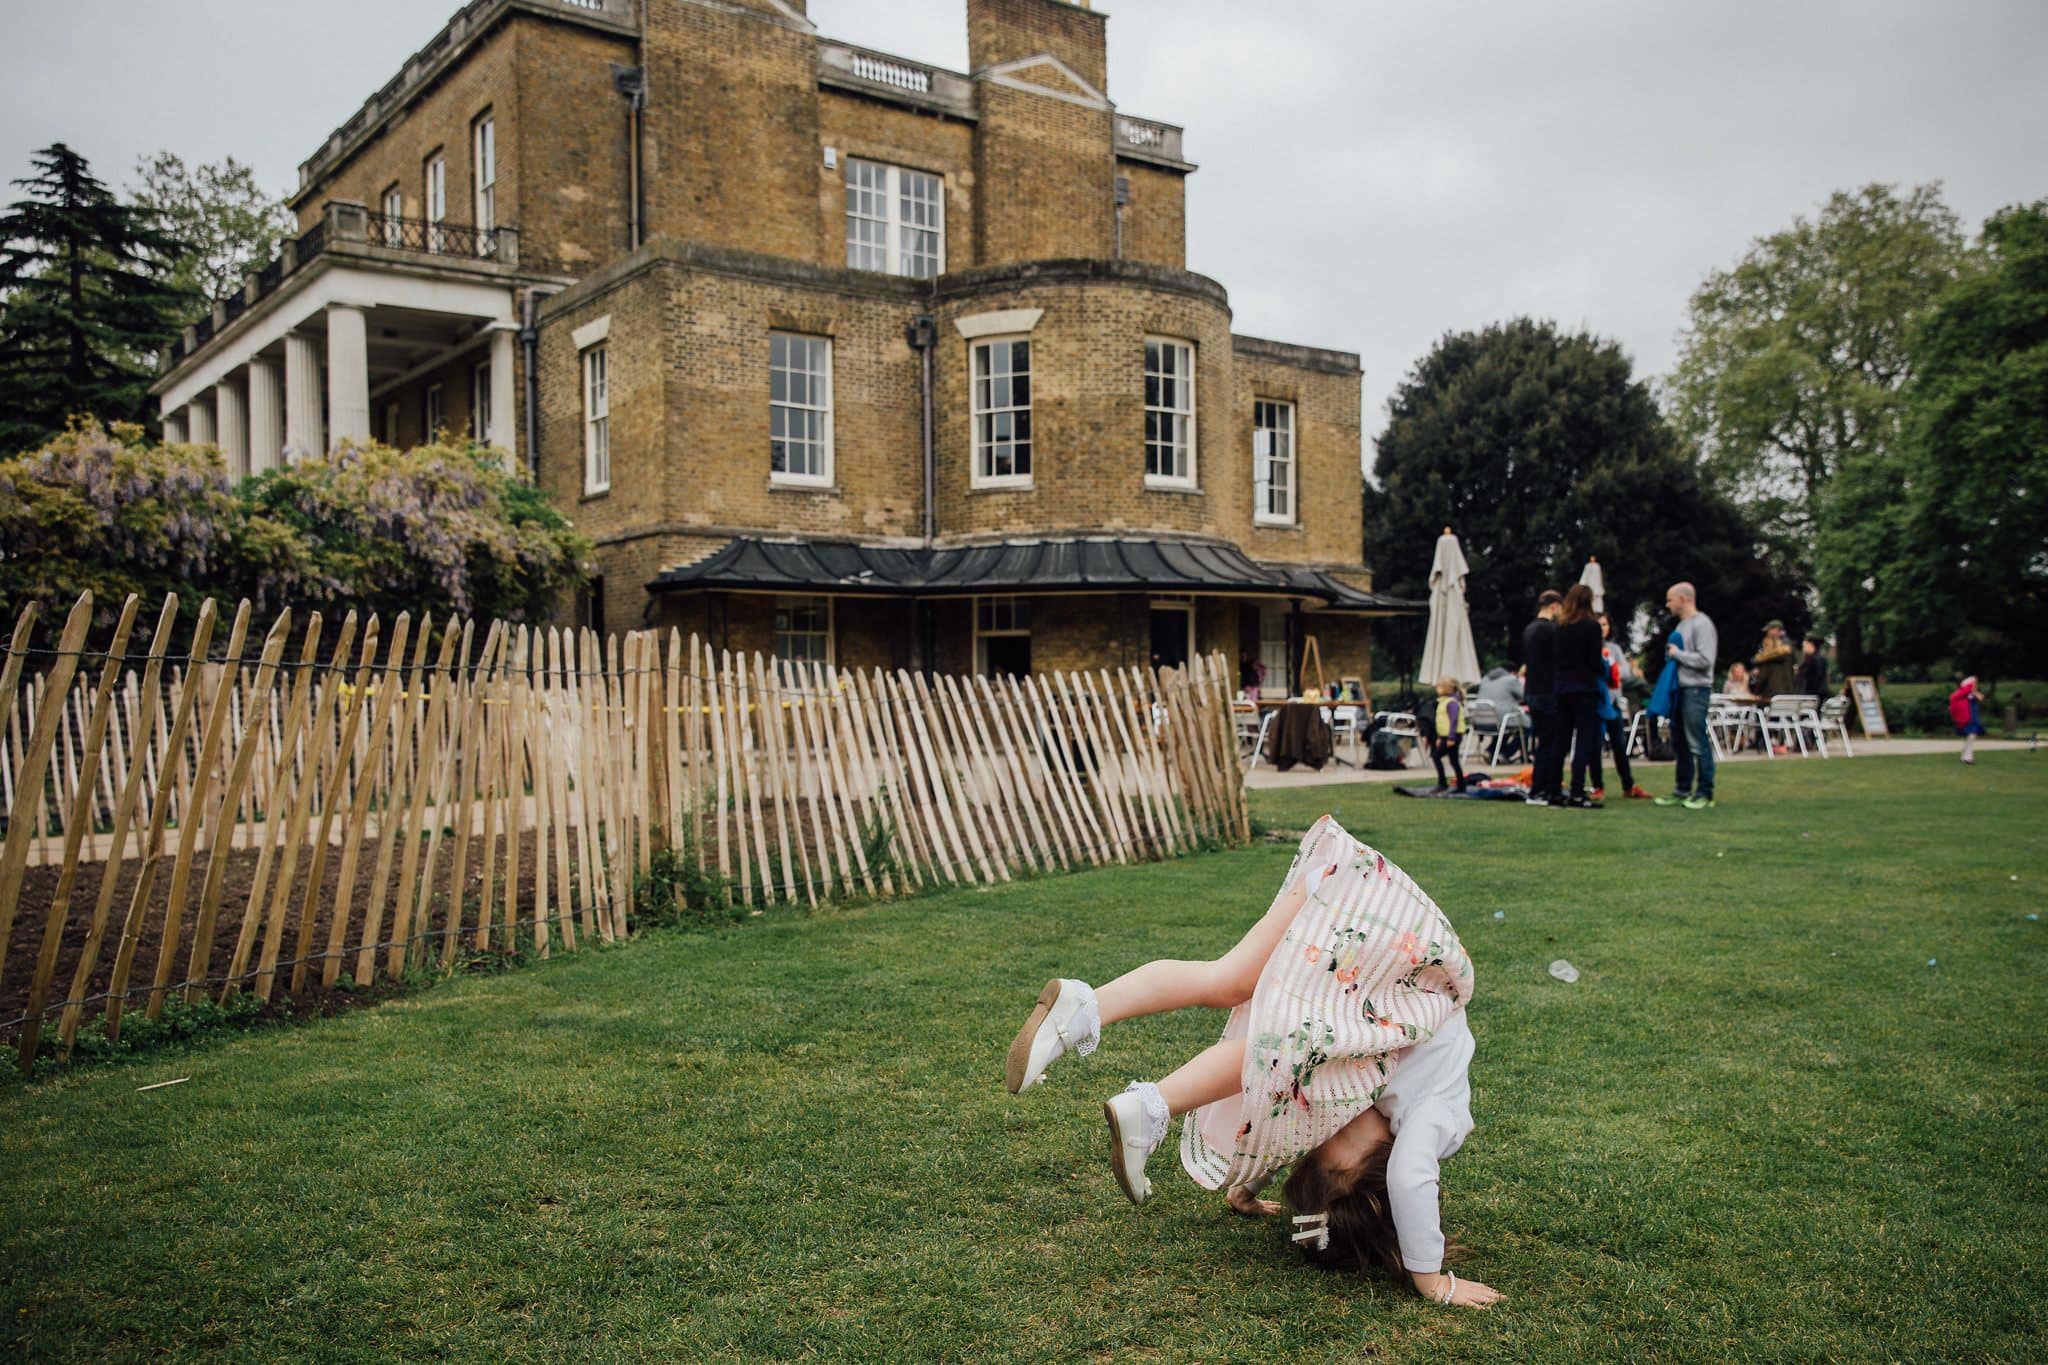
{"points": [[510, 787]]}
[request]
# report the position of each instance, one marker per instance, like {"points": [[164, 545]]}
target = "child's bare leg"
{"points": [[1214, 1073], [1168, 984]]}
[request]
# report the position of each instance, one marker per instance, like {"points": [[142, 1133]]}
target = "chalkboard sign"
{"points": [[1869, 710]]}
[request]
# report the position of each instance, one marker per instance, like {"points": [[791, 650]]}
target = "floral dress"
{"points": [[1368, 967]]}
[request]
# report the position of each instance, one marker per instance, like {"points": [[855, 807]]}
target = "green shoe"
{"points": [[1672, 801], [1700, 803]]}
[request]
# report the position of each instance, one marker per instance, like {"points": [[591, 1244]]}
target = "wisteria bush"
{"points": [[439, 528], [442, 528]]}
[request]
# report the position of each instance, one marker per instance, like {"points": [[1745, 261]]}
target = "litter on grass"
{"points": [[1930, 961], [2032, 915], [1502, 914], [161, 1084], [1564, 971]]}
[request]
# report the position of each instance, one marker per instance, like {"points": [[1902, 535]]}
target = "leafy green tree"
{"points": [[1950, 529], [1793, 362], [1540, 448], [84, 302], [228, 224]]}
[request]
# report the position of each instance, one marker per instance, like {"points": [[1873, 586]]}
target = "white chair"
{"points": [[1489, 721], [1244, 718], [1805, 709], [1259, 739], [1344, 725], [1784, 716], [1729, 722], [1834, 715]]}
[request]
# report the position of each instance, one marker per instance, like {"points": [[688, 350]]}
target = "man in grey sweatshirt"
{"points": [[1694, 650]]}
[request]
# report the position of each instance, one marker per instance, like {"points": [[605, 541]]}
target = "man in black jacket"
{"points": [[1812, 680], [1539, 693]]}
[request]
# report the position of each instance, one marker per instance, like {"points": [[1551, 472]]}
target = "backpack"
{"points": [[1383, 751]]}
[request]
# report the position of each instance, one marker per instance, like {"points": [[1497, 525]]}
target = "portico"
{"points": [[309, 354]]}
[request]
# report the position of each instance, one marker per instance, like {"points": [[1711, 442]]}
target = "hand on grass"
{"points": [[1469, 1294], [1249, 1204]]}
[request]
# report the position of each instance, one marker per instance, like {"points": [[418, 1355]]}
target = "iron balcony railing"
{"points": [[344, 226], [436, 239]]}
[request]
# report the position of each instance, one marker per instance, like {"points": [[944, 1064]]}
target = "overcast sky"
{"points": [[1372, 174]]}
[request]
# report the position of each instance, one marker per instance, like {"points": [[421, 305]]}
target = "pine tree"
{"points": [[84, 302]]}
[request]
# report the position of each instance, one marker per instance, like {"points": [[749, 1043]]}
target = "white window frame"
{"points": [[483, 149], [995, 608], [1189, 479], [480, 402], [980, 477], [433, 414], [889, 199], [830, 633], [595, 363], [434, 199], [822, 478], [1264, 461], [394, 216]]}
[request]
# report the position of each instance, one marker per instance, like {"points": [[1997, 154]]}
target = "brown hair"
{"points": [[1547, 597], [1578, 603], [1362, 1234]]}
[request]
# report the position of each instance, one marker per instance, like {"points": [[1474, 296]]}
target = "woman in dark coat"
{"points": [[1578, 685]]}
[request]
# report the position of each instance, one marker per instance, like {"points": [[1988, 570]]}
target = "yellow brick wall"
{"points": [[1155, 220], [875, 131], [1005, 30], [560, 136], [1329, 507], [732, 128], [1046, 177]]}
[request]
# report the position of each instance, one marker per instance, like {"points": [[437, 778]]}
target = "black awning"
{"points": [[1340, 596], [1017, 566]]}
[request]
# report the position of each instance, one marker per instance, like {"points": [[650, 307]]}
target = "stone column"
{"points": [[303, 437], [232, 421], [266, 415], [504, 398], [199, 422], [174, 428], [348, 373]]}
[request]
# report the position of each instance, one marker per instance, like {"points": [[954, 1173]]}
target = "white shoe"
{"points": [[1137, 1125], [1065, 1020]]}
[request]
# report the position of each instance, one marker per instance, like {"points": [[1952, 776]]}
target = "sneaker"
{"points": [[1137, 1125], [1637, 794], [1598, 793], [1534, 800], [1675, 799], [1580, 801], [1065, 1020], [1700, 803]]}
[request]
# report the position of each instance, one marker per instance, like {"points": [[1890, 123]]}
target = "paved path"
{"points": [[1419, 770]]}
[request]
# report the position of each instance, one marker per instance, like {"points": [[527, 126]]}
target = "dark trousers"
{"points": [[1617, 740], [1580, 719], [1441, 749], [1545, 720]]}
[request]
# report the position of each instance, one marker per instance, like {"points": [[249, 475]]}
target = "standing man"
{"points": [[1812, 679], [1695, 650], [1539, 693]]}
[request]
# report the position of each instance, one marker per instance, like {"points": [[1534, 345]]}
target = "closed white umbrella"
{"points": [[1593, 579], [1448, 651]]}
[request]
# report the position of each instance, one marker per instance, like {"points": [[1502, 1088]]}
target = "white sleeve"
{"points": [[1412, 1191]]}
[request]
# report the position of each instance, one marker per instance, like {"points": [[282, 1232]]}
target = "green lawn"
{"points": [[1760, 1126]]}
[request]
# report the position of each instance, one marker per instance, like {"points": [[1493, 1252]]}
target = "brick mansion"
{"points": [[831, 353]]}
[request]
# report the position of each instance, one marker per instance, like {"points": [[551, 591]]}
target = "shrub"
{"points": [[442, 529], [100, 508]]}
